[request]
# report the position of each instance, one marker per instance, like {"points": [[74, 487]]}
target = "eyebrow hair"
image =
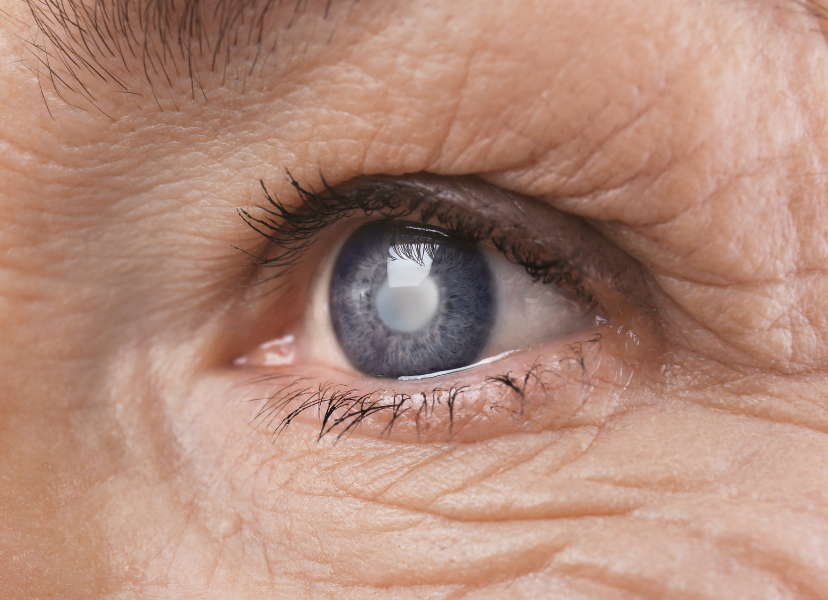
{"points": [[108, 41], [817, 9], [78, 41]]}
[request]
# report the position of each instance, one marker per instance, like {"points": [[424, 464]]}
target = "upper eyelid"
{"points": [[549, 244]]}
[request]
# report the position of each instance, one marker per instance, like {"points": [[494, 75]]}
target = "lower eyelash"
{"points": [[341, 411]]}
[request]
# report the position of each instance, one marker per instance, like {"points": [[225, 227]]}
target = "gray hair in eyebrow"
{"points": [[109, 41]]}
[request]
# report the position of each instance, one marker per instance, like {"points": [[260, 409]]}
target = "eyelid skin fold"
{"points": [[554, 246], [534, 388]]}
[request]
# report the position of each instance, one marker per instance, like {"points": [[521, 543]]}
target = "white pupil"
{"points": [[408, 300]]}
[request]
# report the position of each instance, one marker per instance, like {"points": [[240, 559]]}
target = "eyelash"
{"points": [[352, 408], [292, 231], [345, 410]]}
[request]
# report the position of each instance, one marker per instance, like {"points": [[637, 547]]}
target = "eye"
{"points": [[408, 300], [433, 308]]}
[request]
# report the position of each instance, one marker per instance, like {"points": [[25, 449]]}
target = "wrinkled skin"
{"points": [[692, 135]]}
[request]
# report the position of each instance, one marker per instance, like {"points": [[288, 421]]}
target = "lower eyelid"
{"points": [[538, 390]]}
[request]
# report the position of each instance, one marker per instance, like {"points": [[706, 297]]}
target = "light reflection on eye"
{"points": [[275, 353], [409, 298]]}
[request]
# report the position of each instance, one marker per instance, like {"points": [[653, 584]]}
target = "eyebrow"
{"points": [[107, 41], [83, 45]]}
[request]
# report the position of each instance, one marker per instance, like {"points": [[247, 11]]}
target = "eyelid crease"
{"points": [[293, 230]]}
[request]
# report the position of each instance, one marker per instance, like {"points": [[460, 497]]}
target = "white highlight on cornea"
{"points": [[409, 298], [404, 272]]}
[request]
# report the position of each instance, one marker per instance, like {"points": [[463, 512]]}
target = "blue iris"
{"points": [[407, 299]]}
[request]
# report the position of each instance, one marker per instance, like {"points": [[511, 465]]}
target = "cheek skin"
{"points": [[631, 502], [128, 459]]}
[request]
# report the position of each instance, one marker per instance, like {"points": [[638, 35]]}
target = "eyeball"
{"points": [[408, 300]]}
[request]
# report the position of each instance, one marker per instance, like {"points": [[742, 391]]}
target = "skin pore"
{"points": [[689, 458]]}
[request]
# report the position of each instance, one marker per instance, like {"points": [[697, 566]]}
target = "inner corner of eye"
{"points": [[277, 352], [410, 300]]}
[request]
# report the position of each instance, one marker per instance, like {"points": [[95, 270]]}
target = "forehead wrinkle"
{"points": [[83, 44]]}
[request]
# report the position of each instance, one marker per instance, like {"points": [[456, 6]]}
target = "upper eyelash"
{"points": [[294, 229]]}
